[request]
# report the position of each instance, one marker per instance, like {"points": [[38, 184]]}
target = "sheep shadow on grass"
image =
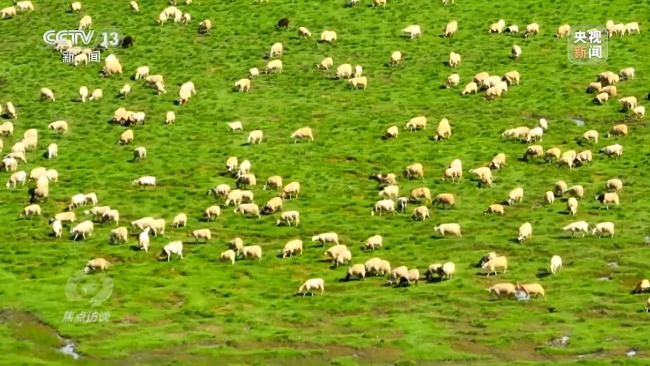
{"points": [[513, 240], [135, 248], [433, 279], [543, 273]]}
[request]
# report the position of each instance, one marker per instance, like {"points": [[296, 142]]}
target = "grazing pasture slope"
{"points": [[201, 310]]}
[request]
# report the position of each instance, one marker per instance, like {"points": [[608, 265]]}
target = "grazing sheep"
{"points": [[413, 275], [126, 137], [289, 217], [495, 263], [421, 213], [531, 29], [450, 29], [535, 134], [31, 211], [356, 271], [533, 151], [276, 50], [603, 228], [497, 27], [502, 289], [525, 232], [252, 251], [445, 199], [392, 132], [229, 255], [274, 66], [174, 247], [495, 209], [397, 273], [248, 209], [304, 32], [52, 151], [383, 206], [96, 95], [395, 57], [96, 264], [452, 228], [551, 153], [608, 198], [64, 217], [111, 216], [145, 181], [498, 162], [556, 264], [412, 31], [627, 73], [179, 220], [638, 111], [118, 235], [516, 51], [255, 137], [212, 212], [302, 134], [358, 81], [83, 229], [470, 88], [443, 130], [516, 195], [591, 135], [17, 177], [236, 244], [612, 150], [601, 98], [576, 191], [416, 123], [143, 240], [512, 77], [326, 63], [244, 85], [595, 87], [549, 197], [86, 22], [577, 227], [531, 289], [139, 153], [58, 126], [373, 242], [376, 2], [328, 36], [134, 6], [200, 234], [629, 28], [563, 30], [402, 202], [292, 248], [615, 185], [329, 237], [454, 59], [415, 170], [572, 206], [205, 26], [47, 94], [291, 190], [312, 284], [389, 191]]}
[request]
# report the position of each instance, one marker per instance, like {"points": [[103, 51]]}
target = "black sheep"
{"points": [[283, 23], [127, 42]]}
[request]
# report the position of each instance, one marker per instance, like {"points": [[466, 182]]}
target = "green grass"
{"points": [[204, 312]]}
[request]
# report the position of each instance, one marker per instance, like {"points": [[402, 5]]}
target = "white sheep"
{"points": [[96, 264], [289, 217], [328, 36], [603, 228], [612, 150], [83, 229], [451, 228], [200, 234], [30, 211], [577, 227], [495, 263], [58, 126], [252, 251], [356, 271], [412, 31], [516, 195], [248, 209], [139, 153], [212, 212], [516, 51], [145, 181], [52, 151], [312, 284], [143, 240], [255, 137], [96, 94], [373, 242], [421, 213], [86, 22], [556, 264], [228, 255], [304, 133], [274, 66], [383, 206], [57, 228], [395, 57], [291, 248], [304, 32], [47, 94], [329, 237], [174, 247], [17, 177], [179, 220], [454, 59], [525, 232]]}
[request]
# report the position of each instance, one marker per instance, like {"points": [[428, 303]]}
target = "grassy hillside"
{"points": [[198, 310]]}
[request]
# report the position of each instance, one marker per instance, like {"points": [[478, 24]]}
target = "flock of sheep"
{"points": [[242, 197]]}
